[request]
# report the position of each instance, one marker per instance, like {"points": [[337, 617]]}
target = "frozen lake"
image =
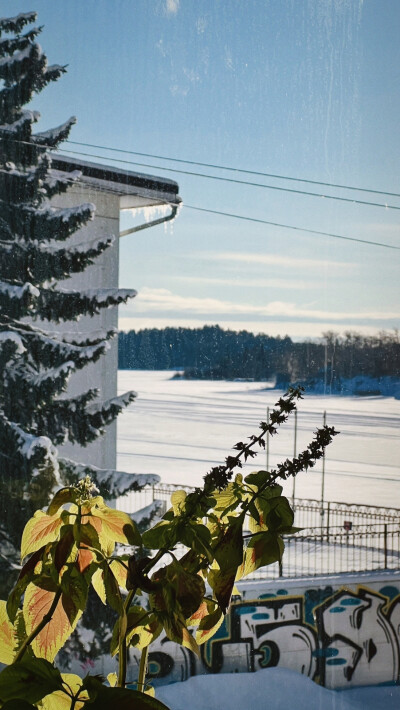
{"points": [[180, 429]]}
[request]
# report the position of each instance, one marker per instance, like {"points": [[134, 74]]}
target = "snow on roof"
{"points": [[123, 182]]}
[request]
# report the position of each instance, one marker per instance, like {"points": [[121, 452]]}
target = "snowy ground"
{"points": [[179, 429], [272, 689]]}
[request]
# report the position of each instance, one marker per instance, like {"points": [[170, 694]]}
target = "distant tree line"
{"points": [[213, 353]]}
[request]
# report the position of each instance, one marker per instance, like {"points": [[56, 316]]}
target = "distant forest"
{"points": [[213, 353]]}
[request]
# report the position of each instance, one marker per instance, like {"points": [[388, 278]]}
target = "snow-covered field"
{"points": [[272, 689], [179, 429]]}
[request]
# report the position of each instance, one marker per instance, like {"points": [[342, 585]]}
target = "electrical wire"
{"points": [[235, 170], [241, 217], [236, 216], [231, 180], [289, 226], [235, 181]]}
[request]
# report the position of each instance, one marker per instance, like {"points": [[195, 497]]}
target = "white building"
{"points": [[112, 190]]}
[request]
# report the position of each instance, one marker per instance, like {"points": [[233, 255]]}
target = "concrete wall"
{"points": [[341, 631], [102, 274]]}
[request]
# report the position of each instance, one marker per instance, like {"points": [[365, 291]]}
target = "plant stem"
{"points": [[123, 624], [143, 669], [47, 617], [123, 628]]}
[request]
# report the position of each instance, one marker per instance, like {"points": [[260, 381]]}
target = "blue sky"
{"points": [[301, 88]]}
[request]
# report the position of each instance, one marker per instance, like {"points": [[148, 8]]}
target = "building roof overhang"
{"points": [[134, 189]]}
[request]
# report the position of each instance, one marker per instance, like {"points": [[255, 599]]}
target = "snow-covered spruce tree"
{"points": [[36, 414]]}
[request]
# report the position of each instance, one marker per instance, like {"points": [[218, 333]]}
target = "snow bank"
{"points": [[272, 689]]}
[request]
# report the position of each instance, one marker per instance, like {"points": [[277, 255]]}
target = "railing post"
{"points": [[328, 520], [323, 473], [294, 455], [385, 544], [280, 568]]}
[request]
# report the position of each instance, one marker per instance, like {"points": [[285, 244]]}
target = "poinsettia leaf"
{"points": [[198, 537], [7, 636], [111, 586], [63, 548], [254, 513], [224, 498], [85, 559], [198, 615], [98, 584], [63, 496], [222, 585], [161, 535], [142, 629], [26, 575], [59, 700], [229, 550], [178, 501], [179, 586], [209, 625], [280, 515], [37, 603], [38, 531], [119, 568], [115, 525], [256, 480], [30, 679], [175, 628], [144, 633], [263, 549]]}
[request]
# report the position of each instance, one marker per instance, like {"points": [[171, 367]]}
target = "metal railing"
{"points": [[335, 537], [309, 513], [364, 548]]}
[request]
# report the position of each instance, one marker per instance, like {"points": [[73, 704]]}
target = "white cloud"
{"points": [[274, 259], [162, 300], [253, 283], [172, 6]]}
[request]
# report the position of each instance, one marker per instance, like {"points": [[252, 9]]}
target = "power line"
{"points": [[236, 170], [224, 179], [288, 226], [235, 181], [241, 217], [230, 180]]}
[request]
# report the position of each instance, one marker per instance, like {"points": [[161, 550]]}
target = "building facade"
{"points": [[112, 191]]}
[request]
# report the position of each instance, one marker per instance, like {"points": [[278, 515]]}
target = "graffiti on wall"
{"points": [[339, 638]]}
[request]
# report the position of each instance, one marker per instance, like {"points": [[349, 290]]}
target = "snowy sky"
{"points": [[301, 89]]}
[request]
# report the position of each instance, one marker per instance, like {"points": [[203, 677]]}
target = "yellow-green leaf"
{"points": [[263, 549], [37, 603], [178, 501], [63, 496], [120, 571], [98, 584], [60, 700], [229, 550], [8, 639], [176, 630], [142, 629], [222, 586], [112, 679], [209, 625], [114, 525], [38, 531]]}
